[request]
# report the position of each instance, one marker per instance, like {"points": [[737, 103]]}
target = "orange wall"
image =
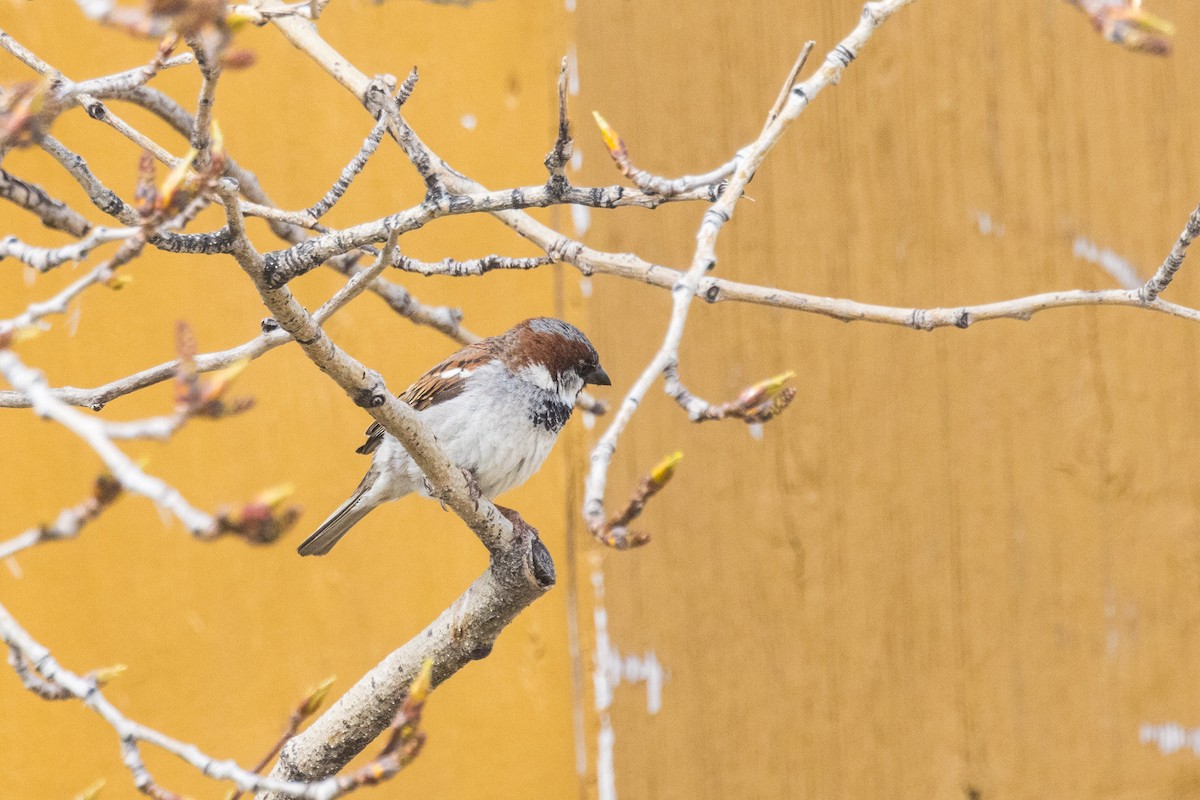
{"points": [[222, 639], [964, 564]]}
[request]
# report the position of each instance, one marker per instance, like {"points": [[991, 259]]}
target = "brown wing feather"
{"points": [[432, 388]]}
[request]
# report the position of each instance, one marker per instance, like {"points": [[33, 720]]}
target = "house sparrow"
{"points": [[496, 406]]}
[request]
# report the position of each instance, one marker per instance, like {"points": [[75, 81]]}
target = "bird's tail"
{"points": [[342, 520]]}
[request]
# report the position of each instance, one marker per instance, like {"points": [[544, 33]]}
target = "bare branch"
{"points": [[42, 674], [101, 273], [462, 633], [210, 73], [367, 389], [283, 266], [101, 196], [70, 521], [755, 405], [615, 531], [309, 706], [356, 165], [399, 299], [790, 83], [1166, 272], [704, 258], [94, 107], [44, 259], [556, 161], [649, 182], [53, 213], [31, 383], [133, 78], [474, 266]]}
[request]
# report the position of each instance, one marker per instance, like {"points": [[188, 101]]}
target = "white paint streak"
{"points": [[73, 316], [468, 121], [606, 774], [96, 9], [1170, 738], [577, 160], [14, 567], [987, 226], [585, 286], [581, 217], [610, 670], [756, 431], [1119, 268], [570, 5], [589, 420]]}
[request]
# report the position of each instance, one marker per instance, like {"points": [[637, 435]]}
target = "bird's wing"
{"points": [[445, 381]]}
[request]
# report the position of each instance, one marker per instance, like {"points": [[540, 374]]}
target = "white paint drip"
{"points": [[585, 286], [96, 9], [577, 160], [987, 226], [570, 4], [610, 670], [606, 773], [1170, 737], [581, 217], [1119, 268], [468, 121], [589, 420], [756, 431]]}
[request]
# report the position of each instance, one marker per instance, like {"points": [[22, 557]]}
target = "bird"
{"points": [[496, 407]]}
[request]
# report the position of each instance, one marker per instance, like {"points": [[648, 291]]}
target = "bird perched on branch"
{"points": [[496, 406]]}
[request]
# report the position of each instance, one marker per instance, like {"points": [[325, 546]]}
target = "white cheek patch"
{"points": [[539, 376], [572, 385]]}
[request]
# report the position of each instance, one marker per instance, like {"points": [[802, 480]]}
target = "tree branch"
{"points": [[704, 258]]}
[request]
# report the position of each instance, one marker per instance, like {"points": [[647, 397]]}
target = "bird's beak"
{"points": [[597, 377]]}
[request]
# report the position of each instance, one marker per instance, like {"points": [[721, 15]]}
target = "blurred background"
{"points": [[964, 564]]}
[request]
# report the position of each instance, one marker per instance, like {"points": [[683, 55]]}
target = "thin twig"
{"points": [[1174, 260], [70, 521], [560, 155], [35, 660], [44, 259], [704, 258], [52, 212]]}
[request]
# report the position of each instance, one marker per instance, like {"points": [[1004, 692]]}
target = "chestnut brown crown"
{"points": [[558, 346]]}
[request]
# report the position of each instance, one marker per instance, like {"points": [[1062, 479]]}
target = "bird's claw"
{"points": [[472, 485]]}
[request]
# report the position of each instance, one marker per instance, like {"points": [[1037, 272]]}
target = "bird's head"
{"points": [[553, 355]]}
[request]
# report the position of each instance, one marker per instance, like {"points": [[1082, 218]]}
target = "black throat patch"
{"points": [[550, 413]]}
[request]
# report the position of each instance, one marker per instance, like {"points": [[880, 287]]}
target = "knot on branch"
{"points": [[480, 651], [920, 320], [378, 97], [281, 266], [568, 250], [372, 396], [536, 561]]}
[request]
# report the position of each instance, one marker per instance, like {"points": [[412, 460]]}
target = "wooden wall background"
{"points": [[965, 564]]}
